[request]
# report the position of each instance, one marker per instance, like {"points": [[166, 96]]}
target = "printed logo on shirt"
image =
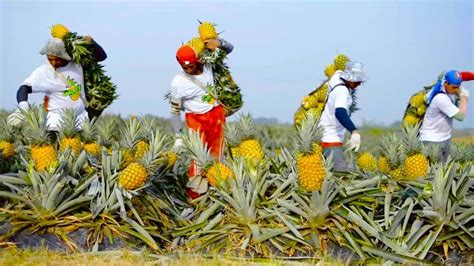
{"points": [[73, 89], [208, 99]]}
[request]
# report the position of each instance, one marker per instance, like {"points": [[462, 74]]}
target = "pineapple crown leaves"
{"points": [[153, 157], [246, 126], [232, 134], [36, 129], [307, 134], [7, 131], [89, 131], [411, 143], [106, 130], [197, 149], [149, 124], [69, 124], [131, 133]]}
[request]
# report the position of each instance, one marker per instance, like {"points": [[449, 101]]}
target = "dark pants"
{"points": [[444, 148], [339, 163]]}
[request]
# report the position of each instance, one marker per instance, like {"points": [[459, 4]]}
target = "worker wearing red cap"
{"points": [[202, 112], [438, 120]]}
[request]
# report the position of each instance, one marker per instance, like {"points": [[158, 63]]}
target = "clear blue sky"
{"points": [[281, 47]]}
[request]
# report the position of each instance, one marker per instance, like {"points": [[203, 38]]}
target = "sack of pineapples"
{"points": [[225, 90], [314, 102], [416, 108], [100, 91]]}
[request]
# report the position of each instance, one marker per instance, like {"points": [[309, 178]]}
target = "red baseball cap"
{"points": [[186, 55]]}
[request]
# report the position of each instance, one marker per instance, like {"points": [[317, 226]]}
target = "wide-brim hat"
{"points": [[55, 47], [354, 72]]}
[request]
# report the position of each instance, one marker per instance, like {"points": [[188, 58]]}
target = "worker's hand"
{"points": [[16, 118], [212, 44], [463, 93], [354, 141], [178, 145]]}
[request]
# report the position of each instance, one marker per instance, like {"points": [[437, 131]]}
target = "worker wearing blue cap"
{"points": [[437, 124]]}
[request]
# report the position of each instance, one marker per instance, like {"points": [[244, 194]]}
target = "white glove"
{"points": [[464, 93], [354, 141], [178, 145], [16, 118]]}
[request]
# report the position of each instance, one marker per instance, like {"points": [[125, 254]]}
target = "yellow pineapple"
{"points": [[317, 148], [398, 173], [207, 31], [421, 110], [36, 133], [340, 62], [171, 158], [391, 157], [7, 139], [214, 170], [366, 162], [140, 149], [299, 115], [69, 136], [383, 165], [322, 93], [197, 44], [137, 174], [418, 100], [309, 101], [415, 164], [310, 164], [249, 148], [330, 70], [410, 120], [91, 145], [59, 31]]}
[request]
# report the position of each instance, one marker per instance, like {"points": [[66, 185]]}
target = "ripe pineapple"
{"points": [[207, 31], [149, 123], [309, 101], [410, 120], [232, 138], [415, 164], [330, 70], [136, 174], [59, 31], [310, 164], [393, 157], [171, 158], [197, 44], [249, 147], [340, 62], [383, 165], [36, 133], [366, 162], [69, 135], [418, 100], [91, 146], [215, 171], [322, 93], [7, 139]]}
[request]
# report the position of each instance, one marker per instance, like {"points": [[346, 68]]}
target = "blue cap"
{"points": [[453, 77]]}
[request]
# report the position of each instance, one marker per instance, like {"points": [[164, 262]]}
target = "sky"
{"points": [[281, 48]]}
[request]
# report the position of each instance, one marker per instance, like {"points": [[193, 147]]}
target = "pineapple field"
{"points": [[117, 184]]}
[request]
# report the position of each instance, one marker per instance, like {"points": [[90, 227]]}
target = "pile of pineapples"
{"points": [[314, 103], [118, 179]]}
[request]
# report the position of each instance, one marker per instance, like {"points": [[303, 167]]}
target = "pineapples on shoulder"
{"points": [[207, 31], [197, 45], [340, 62], [69, 135], [59, 31], [330, 70], [7, 139], [416, 163], [36, 133], [136, 174], [216, 171], [249, 148], [309, 161], [89, 138]]}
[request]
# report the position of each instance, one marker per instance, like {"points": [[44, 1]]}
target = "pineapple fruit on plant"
{"points": [[366, 162], [136, 174], [249, 147], [36, 133], [131, 134], [309, 161], [215, 171], [69, 134], [415, 164], [390, 161], [7, 139], [89, 138], [232, 139]]}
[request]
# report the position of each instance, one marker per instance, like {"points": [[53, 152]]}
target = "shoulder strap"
{"points": [[194, 80], [64, 79]]}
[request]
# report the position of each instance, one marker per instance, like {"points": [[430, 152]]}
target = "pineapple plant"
{"points": [[330, 70], [136, 174], [36, 133], [215, 171], [106, 130], [207, 31], [310, 164], [7, 139], [89, 138], [340, 62], [69, 135], [249, 148], [59, 31], [366, 162], [131, 134], [416, 163], [197, 45]]}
